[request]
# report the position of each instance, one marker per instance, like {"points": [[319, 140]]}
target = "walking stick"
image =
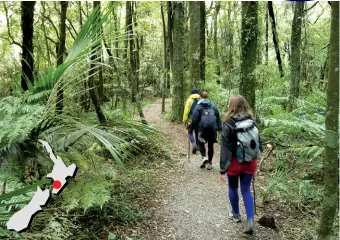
{"points": [[188, 149], [254, 194]]}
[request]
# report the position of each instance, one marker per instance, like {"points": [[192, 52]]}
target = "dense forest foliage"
{"points": [[78, 74]]}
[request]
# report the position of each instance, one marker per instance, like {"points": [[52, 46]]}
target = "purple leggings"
{"points": [[245, 180]]}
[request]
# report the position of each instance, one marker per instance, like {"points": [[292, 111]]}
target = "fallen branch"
{"points": [[260, 164]]}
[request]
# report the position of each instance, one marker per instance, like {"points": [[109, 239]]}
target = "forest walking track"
{"points": [[193, 203]]}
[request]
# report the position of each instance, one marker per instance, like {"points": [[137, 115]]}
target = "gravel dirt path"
{"points": [[191, 203]]}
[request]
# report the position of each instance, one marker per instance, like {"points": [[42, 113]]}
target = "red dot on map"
{"points": [[56, 184]]}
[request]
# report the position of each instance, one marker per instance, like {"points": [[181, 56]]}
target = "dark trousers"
{"points": [[210, 138]]}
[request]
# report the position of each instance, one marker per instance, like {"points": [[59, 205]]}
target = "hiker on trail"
{"points": [[187, 117], [240, 148], [206, 120]]}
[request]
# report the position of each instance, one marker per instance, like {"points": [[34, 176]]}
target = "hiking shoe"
{"points": [[235, 217], [209, 166], [204, 162], [249, 230]]}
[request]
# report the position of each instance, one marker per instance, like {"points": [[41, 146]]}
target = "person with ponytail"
{"points": [[239, 113]]}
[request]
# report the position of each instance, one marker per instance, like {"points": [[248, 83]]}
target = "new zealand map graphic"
{"points": [[21, 220]]}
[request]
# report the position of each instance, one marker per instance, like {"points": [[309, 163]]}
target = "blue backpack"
{"points": [[193, 105], [208, 119]]}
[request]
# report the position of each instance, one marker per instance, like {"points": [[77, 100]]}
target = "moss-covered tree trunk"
{"points": [[331, 162], [194, 43], [228, 62], [217, 10], [249, 50], [133, 57], [170, 40], [165, 59], [27, 60], [60, 52], [178, 62], [202, 41], [295, 54], [275, 37], [266, 43], [134, 61]]}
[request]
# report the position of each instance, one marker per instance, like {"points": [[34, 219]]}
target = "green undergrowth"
{"points": [[294, 170], [113, 180]]}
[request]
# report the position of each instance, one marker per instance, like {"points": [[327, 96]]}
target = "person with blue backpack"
{"points": [[240, 148], [187, 117], [206, 120]]}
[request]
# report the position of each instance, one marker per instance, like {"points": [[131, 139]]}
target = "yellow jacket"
{"points": [[187, 107]]}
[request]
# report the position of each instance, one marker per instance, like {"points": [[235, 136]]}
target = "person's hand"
{"points": [[223, 178]]}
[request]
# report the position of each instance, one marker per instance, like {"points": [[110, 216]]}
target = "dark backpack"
{"points": [[193, 105], [208, 119]]}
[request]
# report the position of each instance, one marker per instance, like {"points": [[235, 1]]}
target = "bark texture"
{"points": [[60, 52], [249, 50], [295, 54], [178, 62], [27, 58], [331, 162]]}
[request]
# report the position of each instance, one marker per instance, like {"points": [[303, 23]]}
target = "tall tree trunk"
{"points": [[267, 26], [331, 162], [295, 54], [137, 46], [133, 63], [27, 59], [100, 88], [116, 24], [194, 43], [127, 70], [92, 86], [165, 60], [170, 39], [60, 53], [275, 37], [248, 51], [178, 62], [217, 9], [230, 41], [202, 41]]}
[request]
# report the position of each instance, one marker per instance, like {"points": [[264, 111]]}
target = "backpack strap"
{"points": [[229, 124], [245, 129]]}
